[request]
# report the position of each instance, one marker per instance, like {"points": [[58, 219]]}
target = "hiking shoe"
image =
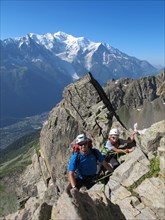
{"points": [[83, 189]]}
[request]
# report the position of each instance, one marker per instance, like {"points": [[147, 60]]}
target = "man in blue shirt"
{"points": [[83, 165]]}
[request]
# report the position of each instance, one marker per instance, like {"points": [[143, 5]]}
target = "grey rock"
{"points": [[86, 206], [152, 194]]}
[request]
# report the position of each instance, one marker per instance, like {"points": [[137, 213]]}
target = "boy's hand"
{"points": [[131, 150]]}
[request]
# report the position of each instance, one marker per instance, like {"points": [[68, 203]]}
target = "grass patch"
{"points": [[157, 106], [2, 188], [13, 160], [19, 146], [153, 172], [124, 115], [17, 164], [18, 155], [154, 167], [8, 203]]}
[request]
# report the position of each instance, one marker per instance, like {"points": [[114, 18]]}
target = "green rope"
{"points": [[102, 177], [103, 187]]}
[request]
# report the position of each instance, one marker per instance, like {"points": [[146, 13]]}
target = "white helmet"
{"points": [[114, 131], [81, 138]]}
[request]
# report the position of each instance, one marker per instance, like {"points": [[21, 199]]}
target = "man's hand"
{"points": [[131, 150], [75, 188]]}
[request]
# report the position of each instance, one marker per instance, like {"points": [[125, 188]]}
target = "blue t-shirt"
{"points": [[87, 165]]}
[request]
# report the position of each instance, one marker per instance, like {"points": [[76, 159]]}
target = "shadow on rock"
{"points": [[86, 206]]}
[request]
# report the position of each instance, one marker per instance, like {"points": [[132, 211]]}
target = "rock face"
{"points": [[86, 206], [133, 99], [133, 192]]}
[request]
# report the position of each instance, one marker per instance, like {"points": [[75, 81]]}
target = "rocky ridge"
{"points": [[41, 188], [133, 99]]}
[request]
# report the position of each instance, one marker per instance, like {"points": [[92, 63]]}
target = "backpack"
{"points": [[94, 151], [76, 146]]}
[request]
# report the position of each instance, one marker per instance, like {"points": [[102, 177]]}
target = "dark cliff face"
{"points": [[137, 100], [85, 108]]}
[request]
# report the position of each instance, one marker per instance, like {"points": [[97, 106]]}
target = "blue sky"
{"points": [[134, 27]]}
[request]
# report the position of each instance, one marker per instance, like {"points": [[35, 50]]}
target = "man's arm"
{"points": [[132, 138], [72, 179], [119, 150]]}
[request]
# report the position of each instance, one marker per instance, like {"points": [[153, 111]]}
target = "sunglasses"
{"points": [[83, 144], [115, 137]]}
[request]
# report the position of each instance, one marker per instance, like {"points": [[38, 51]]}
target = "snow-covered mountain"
{"points": [[36, 68], [76, 56]]}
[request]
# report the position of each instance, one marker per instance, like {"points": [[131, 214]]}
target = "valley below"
{"points": [[11, 133]]}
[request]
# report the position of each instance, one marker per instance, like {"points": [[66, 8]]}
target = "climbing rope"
{"points": [[98, 180]]}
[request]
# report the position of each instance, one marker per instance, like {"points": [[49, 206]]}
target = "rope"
{"points": [[98, 180], [102, 177]]}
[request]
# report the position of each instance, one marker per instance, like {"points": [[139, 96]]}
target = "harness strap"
{"points": [[89, 178]]}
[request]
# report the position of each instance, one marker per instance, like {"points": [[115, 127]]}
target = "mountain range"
{"points": [[36, 68]]}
